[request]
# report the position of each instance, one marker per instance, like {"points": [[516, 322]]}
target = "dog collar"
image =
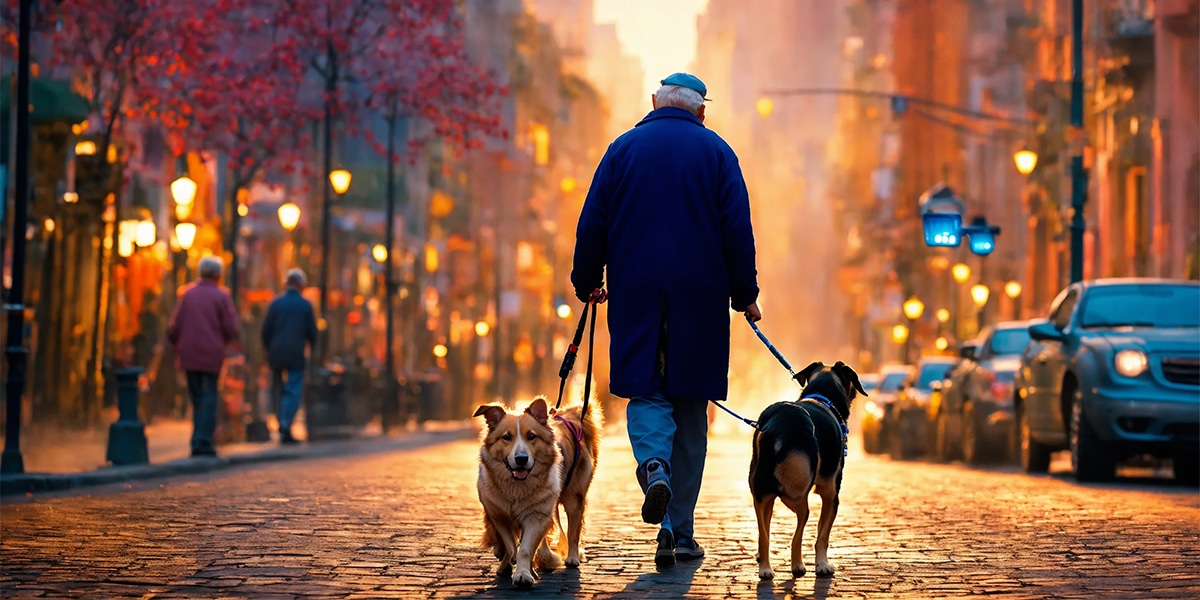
{"points": [[823, 401]]}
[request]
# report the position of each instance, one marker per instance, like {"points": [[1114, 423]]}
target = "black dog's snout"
{"points": [[521, 459]]}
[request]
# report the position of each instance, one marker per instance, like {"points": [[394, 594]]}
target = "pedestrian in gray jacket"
{"points": [[289, 324]]}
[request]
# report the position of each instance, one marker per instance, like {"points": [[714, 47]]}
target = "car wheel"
{"points": [[970, 437], [1186, 466], [1090, 460], [1035, 456]]}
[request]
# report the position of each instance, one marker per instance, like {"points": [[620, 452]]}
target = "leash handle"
{"points": [[777, 353]]}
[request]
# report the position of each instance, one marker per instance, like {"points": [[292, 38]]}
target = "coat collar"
{"points": [[669, 112]]}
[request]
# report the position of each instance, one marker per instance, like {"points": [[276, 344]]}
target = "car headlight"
{"points": [[1131, 363]]}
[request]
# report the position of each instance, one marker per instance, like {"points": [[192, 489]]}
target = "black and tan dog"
{"points": [[800, 447], [524, 461]]}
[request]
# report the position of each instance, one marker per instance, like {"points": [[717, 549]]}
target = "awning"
{"points": [[52, 100]]}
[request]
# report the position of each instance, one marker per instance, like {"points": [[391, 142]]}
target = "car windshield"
{"points": [[931, 372], [1145, 305], [891, 382], [1010, 341]]}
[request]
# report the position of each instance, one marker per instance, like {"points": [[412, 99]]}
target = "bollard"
{"points": [[325, 415], [127, 437]]}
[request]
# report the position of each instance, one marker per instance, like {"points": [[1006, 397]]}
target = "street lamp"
{"points": [[979, 294], [146, 234], [482, 328], [900, 333], [1026, 160], [85, 148], [340, 180], [942, 315], [289, 216], [913, 309], [183, 190], [380, 253], [440, 351], [185, 234], [1012, 289], [941, 343], [961, 272]]}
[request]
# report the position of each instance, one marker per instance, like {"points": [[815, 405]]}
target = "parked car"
{"points": [[971, 410], [890, 379], [905, 419], [1113, 374]]}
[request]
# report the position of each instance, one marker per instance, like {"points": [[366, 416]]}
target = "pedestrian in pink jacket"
{"points": [[203, 325]]}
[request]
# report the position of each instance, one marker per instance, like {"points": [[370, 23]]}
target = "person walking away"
{"points": [[668, 214], [203, 326], [289, 325]]}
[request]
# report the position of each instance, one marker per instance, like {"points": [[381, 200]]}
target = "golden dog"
{"points": [[524, 459]]}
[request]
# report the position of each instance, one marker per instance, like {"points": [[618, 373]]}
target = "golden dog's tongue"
{"points": [[520, 474]]}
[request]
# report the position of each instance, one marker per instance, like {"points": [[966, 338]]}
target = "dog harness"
{"points": [[577, 433], [823, 401]]}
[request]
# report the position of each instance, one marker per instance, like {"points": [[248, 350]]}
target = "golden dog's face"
{"points": [[522, 442]]}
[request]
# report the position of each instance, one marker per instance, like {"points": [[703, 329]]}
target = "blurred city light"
{"points": [[340, 180], [568, 184], [961, 272], [982, 242], [899, 334], [563, 311], [979, 294], [440, 351], [243, 210], [1012, 289], [185, 234], [482, 328], [913, 308], [85, 148], [289, 215], [147, 233], [379, 252], [764, 107], [941, 343], [49, 225], [183, 191], [1026, 161], [943, 315], [70, 197]]}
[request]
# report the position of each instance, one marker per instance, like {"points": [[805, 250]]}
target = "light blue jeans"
{"points": [[675, 432], [286, 387]]}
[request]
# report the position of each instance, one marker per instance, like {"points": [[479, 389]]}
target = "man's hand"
{"points": [[753, 313]]}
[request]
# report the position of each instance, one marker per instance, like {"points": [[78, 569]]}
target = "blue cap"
{"points": [[688, 81]]}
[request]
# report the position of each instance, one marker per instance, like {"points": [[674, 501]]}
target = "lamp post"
{"points": [[1078, 175], [979, 295], [900, 336], [961, 273], [15, 352], [913, 309], [339, 182]]}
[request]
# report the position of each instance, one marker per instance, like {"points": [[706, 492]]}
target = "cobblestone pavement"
{"points": [[406, 524]]}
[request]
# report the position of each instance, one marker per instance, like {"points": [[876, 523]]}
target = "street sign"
{"points": [[942, 229]]}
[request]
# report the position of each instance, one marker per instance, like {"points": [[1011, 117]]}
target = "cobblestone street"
{"points": [[407, 523]]}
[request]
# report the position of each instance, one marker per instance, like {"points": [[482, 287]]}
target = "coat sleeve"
{"points": [[737, 237], [591, 234]]}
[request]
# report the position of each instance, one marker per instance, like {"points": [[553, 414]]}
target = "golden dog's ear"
{"points": [[803, 377], [538, 410], [849, 377], [492, 413]]}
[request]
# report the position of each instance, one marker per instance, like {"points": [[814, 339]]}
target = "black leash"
{"points": [[597, 298], [778, 355]]}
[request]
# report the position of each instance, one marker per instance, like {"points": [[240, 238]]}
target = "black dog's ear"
{"points": [[492, 413], [806, 375], [847, 374]]}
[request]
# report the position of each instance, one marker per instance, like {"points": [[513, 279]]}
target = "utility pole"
{"points": [[14, 351], [1078, 176]]}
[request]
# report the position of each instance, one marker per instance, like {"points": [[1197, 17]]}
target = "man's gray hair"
{"points": [[211, 267], [679, 97], [296, 278]]}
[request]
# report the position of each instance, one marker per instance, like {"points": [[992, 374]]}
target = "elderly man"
{"points": [[669, 216], [289, 325], [204, 324]]}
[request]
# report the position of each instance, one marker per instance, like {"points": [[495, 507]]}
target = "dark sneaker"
{"points": [[206, 451], [665, 555], [686, 548], [285, 437], [658, 493], [654, 508]]}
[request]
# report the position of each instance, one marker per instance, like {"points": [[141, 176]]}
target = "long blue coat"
{"points": [[669, 216]]}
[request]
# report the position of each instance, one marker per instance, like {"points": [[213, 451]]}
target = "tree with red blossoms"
{"points": [[237, 95]]}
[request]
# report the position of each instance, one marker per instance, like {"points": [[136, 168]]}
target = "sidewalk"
{"points": [[56, 461]]}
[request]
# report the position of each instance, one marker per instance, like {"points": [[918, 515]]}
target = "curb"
{"points": [[28, 483]]}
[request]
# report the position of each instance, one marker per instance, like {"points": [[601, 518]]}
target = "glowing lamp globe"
{"points": [[961, 272], [289, 215], [340, 180], [183, 191], [1026, 161], [979, 294], [913, 308]]}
